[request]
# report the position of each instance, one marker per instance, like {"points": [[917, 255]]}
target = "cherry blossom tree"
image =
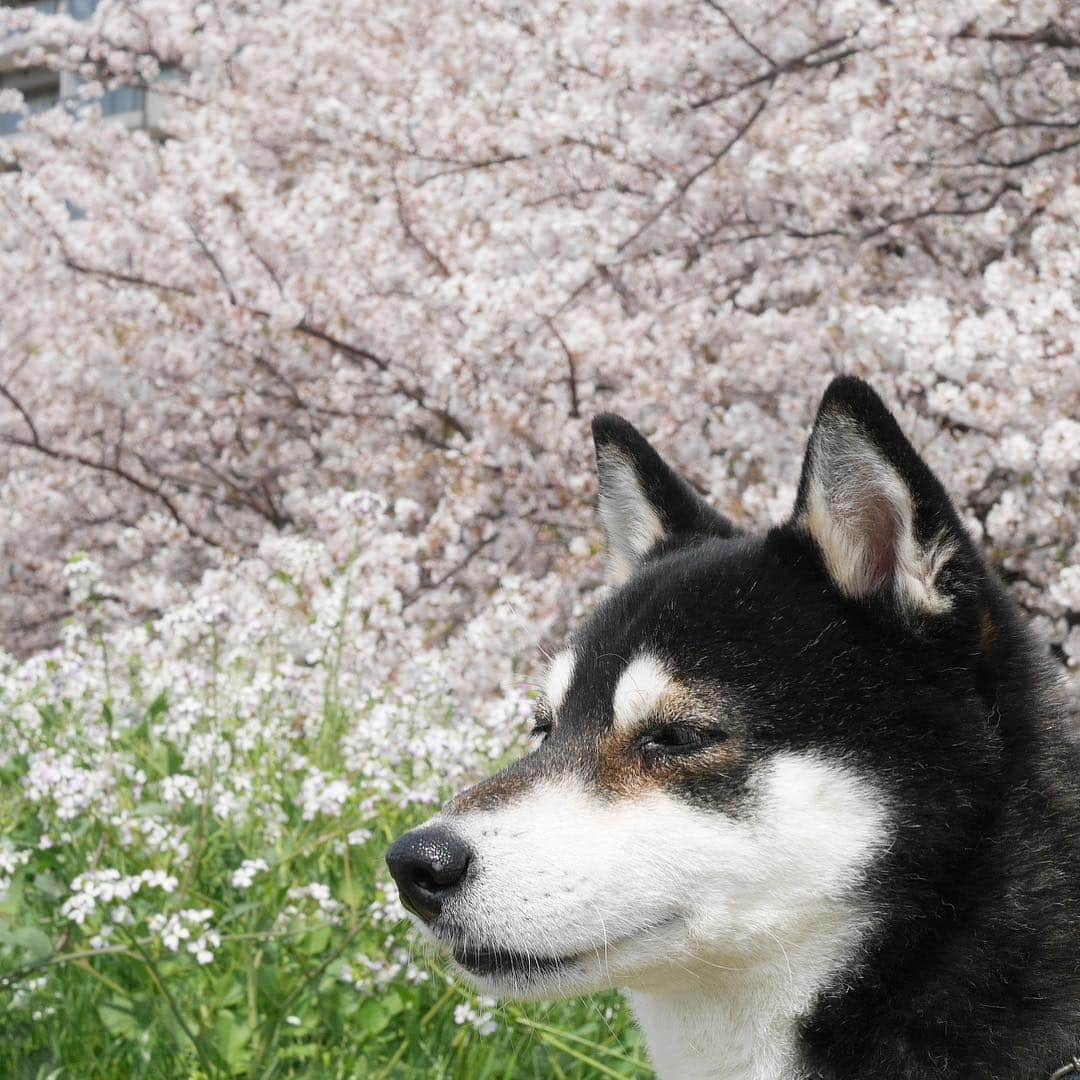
{"points": [[410, 248]]}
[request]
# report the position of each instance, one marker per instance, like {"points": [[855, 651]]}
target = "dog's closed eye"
{"points": [[669, 739], [543, 724]]}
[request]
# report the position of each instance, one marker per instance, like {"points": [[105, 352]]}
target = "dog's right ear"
{"points": [[643, 501]]}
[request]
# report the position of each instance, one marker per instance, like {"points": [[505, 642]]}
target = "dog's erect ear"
{"points": [[880, 519], [642, 500]]}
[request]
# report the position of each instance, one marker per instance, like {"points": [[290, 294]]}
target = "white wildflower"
{"points": [[245, 873]]}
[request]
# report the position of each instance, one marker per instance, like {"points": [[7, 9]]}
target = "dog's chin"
{"points": [[556, 973], [525, 977]]}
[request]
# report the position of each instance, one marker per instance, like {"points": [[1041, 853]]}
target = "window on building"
{"points": [[40, 90], [123, 99], [82, 9], [46, 7]]}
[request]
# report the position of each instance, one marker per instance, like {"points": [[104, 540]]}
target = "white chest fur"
{"points": [[690, 1037], [731, 1020]]}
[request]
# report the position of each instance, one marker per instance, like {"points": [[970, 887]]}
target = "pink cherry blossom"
{"points": [[408, 249]]}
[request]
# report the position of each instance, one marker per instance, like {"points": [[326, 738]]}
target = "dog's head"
{"points": [[720, 748]]}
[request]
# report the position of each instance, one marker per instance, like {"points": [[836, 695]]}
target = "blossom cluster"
{"points": [[480, 1016], [188, 928]]}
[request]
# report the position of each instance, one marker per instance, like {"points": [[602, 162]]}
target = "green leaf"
{"points": [[235, 991], [33, 941], [270, 982], [316, 942], [371, 1018], [12, 904], [232, 1037], [119, 1020]]}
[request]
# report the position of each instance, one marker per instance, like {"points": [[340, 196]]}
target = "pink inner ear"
{"points": [[873, 525]]}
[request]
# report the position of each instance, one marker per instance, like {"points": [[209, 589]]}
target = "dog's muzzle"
{"points": [[428, 865]]}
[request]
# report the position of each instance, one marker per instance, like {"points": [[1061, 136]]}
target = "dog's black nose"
{"points": [[428, 864]]}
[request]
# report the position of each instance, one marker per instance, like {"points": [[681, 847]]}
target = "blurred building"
{"points": [[41, 88]]}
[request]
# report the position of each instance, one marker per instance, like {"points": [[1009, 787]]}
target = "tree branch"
{"points": [[35, 443], [351, 351]]}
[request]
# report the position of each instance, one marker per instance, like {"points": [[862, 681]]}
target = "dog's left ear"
{"points": [[643, 501], [880, 519]]}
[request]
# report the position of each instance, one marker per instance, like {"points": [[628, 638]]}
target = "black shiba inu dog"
{"points": [[806, 797]]}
